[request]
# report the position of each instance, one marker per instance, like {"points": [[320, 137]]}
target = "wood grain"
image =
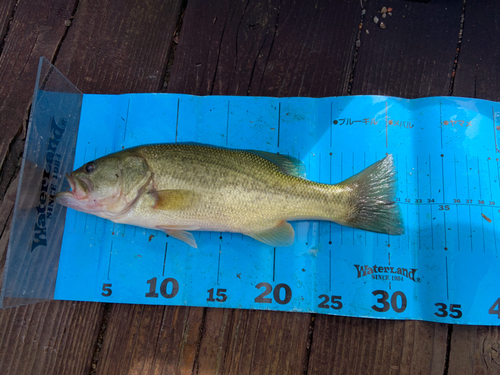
{"points": [[290, 48], [478, 71], [27, 40], [7, 9], [48, 338], [414, 56], [365, 346], [150, 340]]}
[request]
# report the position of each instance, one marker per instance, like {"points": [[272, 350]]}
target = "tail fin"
{"points": [[374, 191]]}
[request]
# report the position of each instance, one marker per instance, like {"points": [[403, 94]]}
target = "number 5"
{"points": [[106, 290]]}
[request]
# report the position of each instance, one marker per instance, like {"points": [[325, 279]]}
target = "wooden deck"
{"points": [[237, 47]]}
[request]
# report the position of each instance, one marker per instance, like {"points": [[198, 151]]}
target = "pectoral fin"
{"points": [[172, 199], [181, 235], [281, 235]]}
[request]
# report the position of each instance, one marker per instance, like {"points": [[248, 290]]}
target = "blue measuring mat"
{"points": [[444, 268]]}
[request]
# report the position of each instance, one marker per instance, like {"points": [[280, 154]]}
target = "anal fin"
{"points": [[181, 234], [281, 235]]}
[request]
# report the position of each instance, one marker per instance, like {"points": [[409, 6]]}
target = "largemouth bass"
{"points": [[178, 188]]}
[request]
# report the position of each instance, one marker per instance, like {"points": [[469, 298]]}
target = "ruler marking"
{"points": [[470, 229], [441, 123], [419, 224], [227, 124], [479, 178], [126, 120], [444, 201], [468, 196], [407, 207], [364, 167], [442, 177], [494, 230], [489, 179], [447, 283], [386, 127], [353, 230], [389, 254], [484, 239], [341, 179], [110, 253], [85, 225], [330, 184], [331, 124], [165, 259], [177, 119], [279, 123], [389, 285], [218, 265], [274, 264], [430, 175], [330, 278], [494, 129], [458, 229]]}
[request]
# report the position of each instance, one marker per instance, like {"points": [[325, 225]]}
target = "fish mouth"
{"points": [[80, 189]]}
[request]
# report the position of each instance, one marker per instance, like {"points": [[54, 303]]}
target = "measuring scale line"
{"points": [[218, 264], [494, 129], [177, 119], [165, 259], [109, 263]]}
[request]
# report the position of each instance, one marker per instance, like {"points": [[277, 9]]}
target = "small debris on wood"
{"points": [[383, 10], [176, 39], [384, 15], [67, 23], [358, 42], [367, 31], [382, 25], [375, 19]]}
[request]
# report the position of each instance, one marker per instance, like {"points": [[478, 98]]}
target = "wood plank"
{"points": [[26, 41], [150, 339], [476, 350], [114, 48], [414, 56], [49, 338], [7, 9], [246, 342], [478, 72], [363, 346], [270, 49]]}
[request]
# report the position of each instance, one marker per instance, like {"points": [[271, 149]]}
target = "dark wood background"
{"points": [[237, 47]]}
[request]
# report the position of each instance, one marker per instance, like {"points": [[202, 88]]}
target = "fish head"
{"points": [[108, 186]]}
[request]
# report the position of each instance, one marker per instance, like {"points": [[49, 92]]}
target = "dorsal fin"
{"points": [[288, 164]]}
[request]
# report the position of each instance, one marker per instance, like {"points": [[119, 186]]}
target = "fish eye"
{"points": [[90, 167]]}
